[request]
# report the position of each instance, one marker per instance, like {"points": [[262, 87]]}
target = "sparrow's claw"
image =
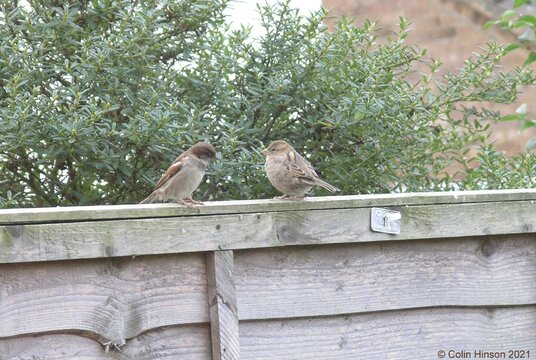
{"points": [[185, 203], [191, 202]]}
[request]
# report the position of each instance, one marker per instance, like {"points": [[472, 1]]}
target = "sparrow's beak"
{"points": [[265, 152]]}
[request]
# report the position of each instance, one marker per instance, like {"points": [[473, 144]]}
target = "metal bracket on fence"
{"points": [[385, 221]]}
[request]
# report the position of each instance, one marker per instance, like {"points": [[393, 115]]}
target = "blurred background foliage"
{"points": [[98, 97], [524, 25]]}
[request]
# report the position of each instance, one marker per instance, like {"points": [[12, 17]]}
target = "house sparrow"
{"points": [[289, 172], [184, 175]]}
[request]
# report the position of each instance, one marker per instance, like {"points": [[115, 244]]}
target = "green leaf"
{"points": [[527, 20], [489, 24], [518, 3], [511, 47], [530, 59], [508, 14], [511, 117], [527, 124]]}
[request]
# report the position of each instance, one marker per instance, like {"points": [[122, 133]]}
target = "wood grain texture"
{"points": [[133, 211], [182, 342], [44, 242], [113, 300], [356, 278], [222, 302], [410, 334]]}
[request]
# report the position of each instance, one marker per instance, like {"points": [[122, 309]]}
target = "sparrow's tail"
{"points": [[150, 199], [326, 185]]}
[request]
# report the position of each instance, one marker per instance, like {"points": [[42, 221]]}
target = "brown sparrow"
{"points": [[184, 175], [289, 172]]}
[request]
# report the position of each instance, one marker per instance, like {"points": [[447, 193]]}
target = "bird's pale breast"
{"points": [[277, 170], [185, 182]]}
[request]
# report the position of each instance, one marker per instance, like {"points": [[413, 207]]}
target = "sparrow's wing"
{"points": [[174, 168], [299, 167], [304, 171]]}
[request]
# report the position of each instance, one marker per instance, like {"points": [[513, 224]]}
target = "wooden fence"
{"points": [[269, 279]]}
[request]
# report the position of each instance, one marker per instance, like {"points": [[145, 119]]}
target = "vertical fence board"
{"points": [[222, 305]]}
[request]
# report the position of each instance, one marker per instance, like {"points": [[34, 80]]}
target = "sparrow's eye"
{"points": [[273, 150]]}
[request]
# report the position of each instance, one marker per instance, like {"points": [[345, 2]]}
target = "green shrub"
{"points": [[511, 20], [98, 97]]}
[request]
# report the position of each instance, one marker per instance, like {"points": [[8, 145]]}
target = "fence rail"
{"points": [[269, 279]]}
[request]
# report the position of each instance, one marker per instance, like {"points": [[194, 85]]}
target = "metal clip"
{"points": [[385, 221]]}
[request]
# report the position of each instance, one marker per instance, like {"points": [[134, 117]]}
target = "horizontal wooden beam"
{"points": [[112, 300], [78, 240], [135, 211], [311, 281], [409, 334], [178, 342]]}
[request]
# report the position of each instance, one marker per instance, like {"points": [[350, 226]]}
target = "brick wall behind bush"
{"points": [[451, 30]]}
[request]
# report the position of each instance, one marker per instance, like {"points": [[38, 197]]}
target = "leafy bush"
{"points": [[97, 97], [511, 21]]}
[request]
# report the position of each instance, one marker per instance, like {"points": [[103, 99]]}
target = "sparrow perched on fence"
{"points": [[184, 175], [289, 172]]}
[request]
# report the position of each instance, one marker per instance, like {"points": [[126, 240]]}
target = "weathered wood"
{"points": [[181, 342], [410, 334], [44, 242], [113, 299], [133, 211], [222, 302], [357, 278], [464, 282]]}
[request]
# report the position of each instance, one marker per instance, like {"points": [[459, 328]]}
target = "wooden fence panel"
{"points": [[110, 299], [400, 335], [136, 211], [78, 240], [270, 279], [355, 278], [190, 342]]}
